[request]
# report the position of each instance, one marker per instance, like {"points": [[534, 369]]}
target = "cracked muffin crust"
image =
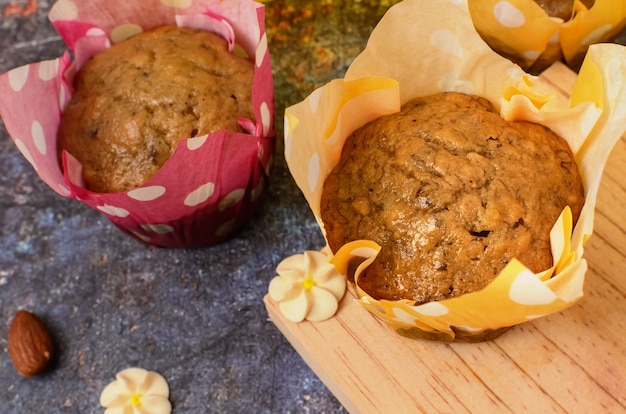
{"points": [[452, 192], [137, 99]]}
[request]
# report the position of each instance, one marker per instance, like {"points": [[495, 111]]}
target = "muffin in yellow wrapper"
{"points": [[522, 31], [422, 47]]}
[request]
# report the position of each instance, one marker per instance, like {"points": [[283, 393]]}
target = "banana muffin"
{"points": [[134, 101], [563, 9], [452, 192]]}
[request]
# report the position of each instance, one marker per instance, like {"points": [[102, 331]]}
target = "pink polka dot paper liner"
{"points": [[523, 32], [422, 47], [211, 185]]}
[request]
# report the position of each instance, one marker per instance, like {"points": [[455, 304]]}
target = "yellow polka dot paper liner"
{"points": [[422, 47], [522, 31], [211, 184]]}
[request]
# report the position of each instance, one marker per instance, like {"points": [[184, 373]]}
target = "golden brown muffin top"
{"points": [[137, 99], [452, 193]]}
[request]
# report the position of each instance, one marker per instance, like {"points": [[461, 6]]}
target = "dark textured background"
{"points": [[195, 316]]}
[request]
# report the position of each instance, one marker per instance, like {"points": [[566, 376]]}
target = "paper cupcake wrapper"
{"points": [[522, 31], [425, 47], [210, 185]]}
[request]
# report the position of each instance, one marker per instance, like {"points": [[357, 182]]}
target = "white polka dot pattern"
{"points": [[403, 316], [181, 4], [314, 100], [266, 118], [157, 228], [225, 229], [615, 77], [64, 10], [63, 96], [270, 163], [527, 289], [257, 191], [587, 122], [290, 123], [432, 309], [451, 82], [113, 211], [597, 35], [533, 317], [508, 15], [555, 39], [447, 42], [470, 329], [261, 51], [199, 195], [125, 31], [48, 70], [142, 237], [515, 73], [532, 54], [95, 32], [18, 77], [197, 142], [147, 193], [38, 138], [314, 171], [260, 152], [63, 190], [231, 199], [210, 185], [25, 152]]}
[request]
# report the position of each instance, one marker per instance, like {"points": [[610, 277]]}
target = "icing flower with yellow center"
{"points": [[307, 287], [136, 391]]}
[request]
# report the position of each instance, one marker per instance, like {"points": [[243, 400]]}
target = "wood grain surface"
{"points": [[570, 362]]}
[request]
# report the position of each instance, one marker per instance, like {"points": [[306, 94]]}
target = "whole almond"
{"points": [[30, 345]]}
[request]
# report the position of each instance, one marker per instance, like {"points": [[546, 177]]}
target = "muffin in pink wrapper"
{"points": [[211, 184]]}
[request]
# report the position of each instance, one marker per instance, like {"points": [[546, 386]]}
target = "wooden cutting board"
{"points": [[570, 362]]}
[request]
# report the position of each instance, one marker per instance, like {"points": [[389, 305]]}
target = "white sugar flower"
{"points": [[136, 391], [307, 287]]}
